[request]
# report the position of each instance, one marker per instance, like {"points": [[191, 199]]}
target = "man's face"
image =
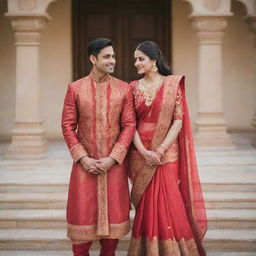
{"points": [[105, 61]]}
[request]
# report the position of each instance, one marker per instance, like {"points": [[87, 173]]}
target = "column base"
{"points": [[212, 133], [28, 142]]}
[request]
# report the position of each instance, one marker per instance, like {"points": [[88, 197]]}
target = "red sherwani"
{"points": [[98, 120]]}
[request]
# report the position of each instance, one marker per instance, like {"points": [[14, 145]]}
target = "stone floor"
{"points": [[33, 198]]}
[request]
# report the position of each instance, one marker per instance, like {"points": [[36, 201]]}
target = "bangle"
{"points": [[143, 151], [164, 146], [161, 154]]}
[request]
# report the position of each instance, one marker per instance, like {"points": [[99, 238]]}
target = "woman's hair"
{"points": [[152, 50]]}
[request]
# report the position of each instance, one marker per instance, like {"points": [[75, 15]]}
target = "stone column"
{"points": [[254, 125], [209, 19], [251, 20], [28, 18], [252, 25]]}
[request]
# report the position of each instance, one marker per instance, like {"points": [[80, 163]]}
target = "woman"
{"points": [[170, 215]]}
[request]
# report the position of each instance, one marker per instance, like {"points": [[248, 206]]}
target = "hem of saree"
{"points": [[89, 233], [163, 247]]}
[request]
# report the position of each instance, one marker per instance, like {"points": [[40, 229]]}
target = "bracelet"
{"points": [[164, 146], [161, 154]]}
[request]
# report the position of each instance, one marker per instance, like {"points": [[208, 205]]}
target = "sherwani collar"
{"points": [[102, 80]]}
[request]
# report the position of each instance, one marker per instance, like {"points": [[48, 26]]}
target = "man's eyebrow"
{"points": [[107, 55]]}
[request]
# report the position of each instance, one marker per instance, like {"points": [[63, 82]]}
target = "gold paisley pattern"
{"points": [[98, 120], [178, 111], [168, 247], [147, 95], [88, 233], [171, 154]]}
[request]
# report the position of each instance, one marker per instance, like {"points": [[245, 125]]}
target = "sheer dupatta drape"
{"points": [[190, 185]]}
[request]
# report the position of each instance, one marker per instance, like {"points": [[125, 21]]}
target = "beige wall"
{"points": [[239, 61], [184, 50], [56, 68], [239, 68], [56, 65]]}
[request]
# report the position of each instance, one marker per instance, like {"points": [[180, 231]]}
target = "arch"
{"points": [[250, 6]]}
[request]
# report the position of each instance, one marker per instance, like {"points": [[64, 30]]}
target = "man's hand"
{"points": [[104, 164], [90, 165]]}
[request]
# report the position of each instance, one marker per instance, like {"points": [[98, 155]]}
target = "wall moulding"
{"points": [[210, 7]]}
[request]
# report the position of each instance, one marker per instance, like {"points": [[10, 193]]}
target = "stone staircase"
{"points": [[33, 197]]}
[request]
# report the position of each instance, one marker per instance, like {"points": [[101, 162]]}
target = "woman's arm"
{"points": [[170, 137], [150, 156], [175, 127]]}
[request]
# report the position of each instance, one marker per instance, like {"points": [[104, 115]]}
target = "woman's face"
{"points": [[142, 62]]}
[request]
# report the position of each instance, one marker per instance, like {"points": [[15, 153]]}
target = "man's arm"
{"points": [[69, 126], [128, 126]]}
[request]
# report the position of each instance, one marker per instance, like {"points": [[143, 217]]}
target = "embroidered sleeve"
{"points": [[69, 126], [128, 126], [178, 111], [138, 96]]}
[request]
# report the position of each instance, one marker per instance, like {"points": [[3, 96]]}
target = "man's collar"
{"points": [[103, 79]]}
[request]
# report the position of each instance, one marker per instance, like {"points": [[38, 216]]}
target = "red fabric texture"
{"points": [[172, 206], [161, 211], [83, 128], [190, 185], [108, 247], [81, 249]]}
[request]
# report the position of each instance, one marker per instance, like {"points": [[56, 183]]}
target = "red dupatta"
{"points": [[190, 185]]}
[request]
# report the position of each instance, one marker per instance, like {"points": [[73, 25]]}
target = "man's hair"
{"points": [[96, 45]]}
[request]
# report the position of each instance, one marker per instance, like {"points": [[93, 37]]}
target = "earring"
{"points": [[154, 68]]}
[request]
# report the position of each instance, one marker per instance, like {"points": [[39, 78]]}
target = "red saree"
{"points": [[170, 213]]}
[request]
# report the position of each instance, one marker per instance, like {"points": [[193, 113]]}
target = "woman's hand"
{"points": [[151, 157], [161, 149]]}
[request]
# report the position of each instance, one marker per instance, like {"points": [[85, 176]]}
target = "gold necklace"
{"points": [[149, 93]]}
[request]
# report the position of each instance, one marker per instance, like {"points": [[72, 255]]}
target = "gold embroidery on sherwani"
{"points": [[80, 123], [102, 146], [77, 152], [79, 232], [142, 180], [168, 247], [87, 102]]}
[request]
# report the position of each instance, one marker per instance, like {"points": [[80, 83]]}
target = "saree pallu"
{"points": [[170, 215]]}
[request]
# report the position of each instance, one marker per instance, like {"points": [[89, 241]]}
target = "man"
{"points": [[98, 124]]}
